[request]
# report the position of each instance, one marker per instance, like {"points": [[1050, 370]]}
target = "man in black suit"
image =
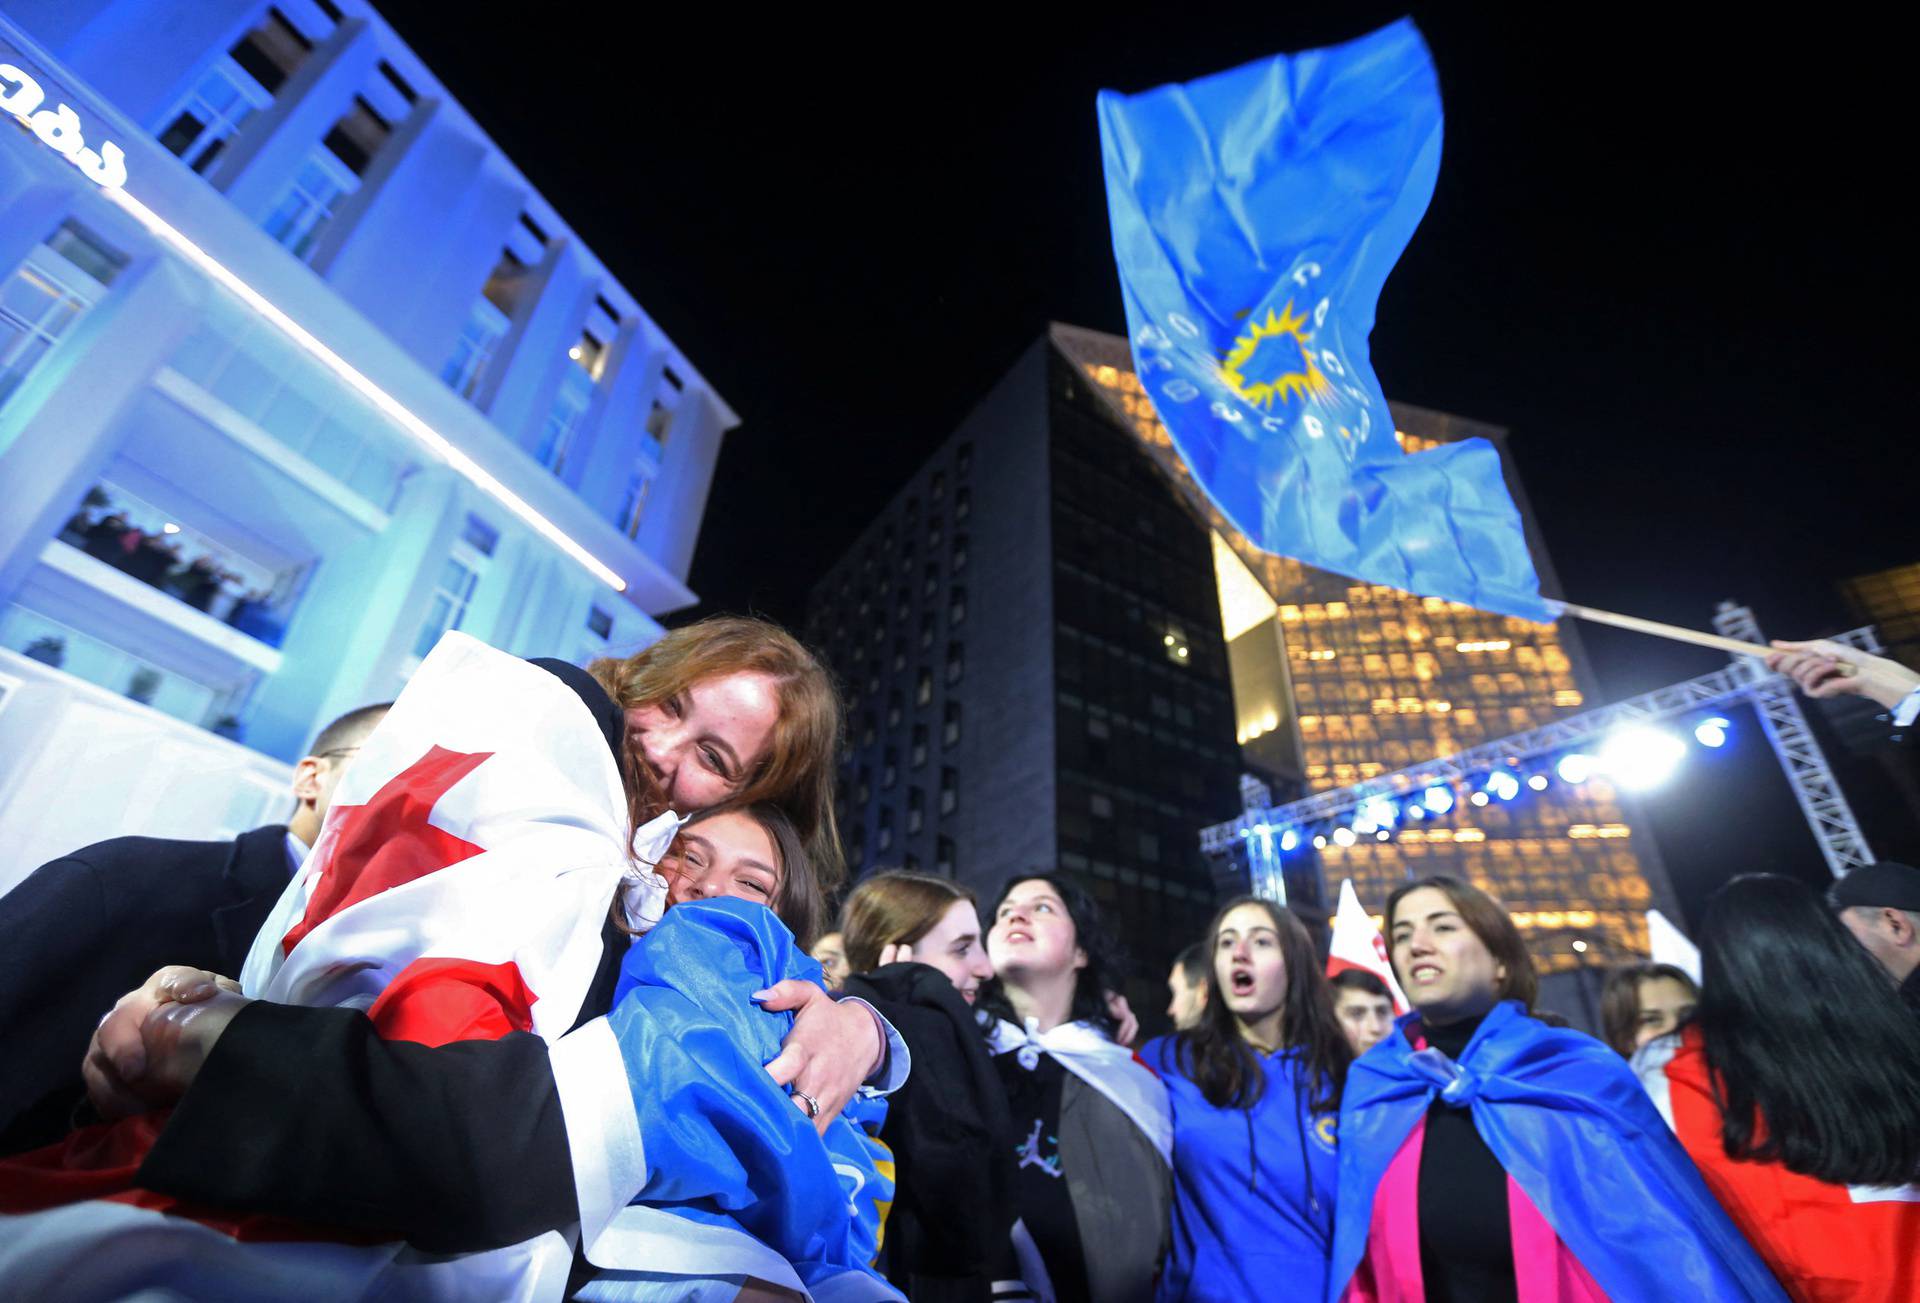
{"points": [[83, 929]]}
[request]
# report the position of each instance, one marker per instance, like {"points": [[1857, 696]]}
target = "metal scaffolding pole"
{"points": [[1785, 725], [1744, 679]]}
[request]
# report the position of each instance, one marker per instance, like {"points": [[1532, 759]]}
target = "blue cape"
{"points": [[1570, 1123], [724, 1144]]}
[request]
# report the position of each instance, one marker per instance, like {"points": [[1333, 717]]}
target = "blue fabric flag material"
{"points": [[724, 1145], [1256, 214], [1572, 1126]]}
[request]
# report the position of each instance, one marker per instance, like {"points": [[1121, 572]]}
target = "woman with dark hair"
{"points": [[1091, 1127], [1643, 1001], [917, 952], [1796, 1089], [1255, 1091], [1486, 1156]]}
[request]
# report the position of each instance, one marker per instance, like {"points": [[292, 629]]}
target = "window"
{"points": [[963, 459], [899, 654], [1101, 805], [599, 623], [217, 107], [931, 583], [453, 592], [890, 771], [65, 275], [485, 327], [358, 136], [923, 688], [918, 755], [955, 662], [910, 862], [949, 790], [570, 405], [936, 535], [868, 730], [959, 551], [939, 485], [943, 856], [916, 810], [893, 710], [885, 840], [272, 52], [957, 605], [926, 631], [864, 792], [309, 204], [950, 731], [962, 504]]}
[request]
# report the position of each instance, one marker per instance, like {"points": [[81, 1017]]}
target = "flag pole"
{"points": [[1675, 632]]}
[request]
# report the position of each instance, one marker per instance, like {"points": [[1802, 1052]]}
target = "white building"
{"points": [[296, 373]]}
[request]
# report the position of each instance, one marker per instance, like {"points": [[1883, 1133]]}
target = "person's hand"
{"points": [[123, 1070], [832, 1049], [900, 952], [1823, 668], [1123, 1014]]}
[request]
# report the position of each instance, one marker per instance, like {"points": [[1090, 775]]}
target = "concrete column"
{"points": [[261, 162], [358, 618], [599, 469], [393, 233], [141, 55], [536, 348], [60, 428], [671, 525]]}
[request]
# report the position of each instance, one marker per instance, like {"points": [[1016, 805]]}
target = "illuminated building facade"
{"points": [[1336, 681], [297, 371], [1029, 644]]}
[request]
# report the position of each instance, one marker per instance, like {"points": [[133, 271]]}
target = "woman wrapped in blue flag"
{"points": [[1485, 1156]]}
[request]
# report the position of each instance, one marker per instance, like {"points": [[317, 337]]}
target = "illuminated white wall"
{"points": [[181, 397]]}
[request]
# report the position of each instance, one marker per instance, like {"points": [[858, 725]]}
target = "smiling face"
{"points": [[953, 945], [1664, 1005], [1446, 970], [727, 855], [705, 741], [1033, 935], [1248, 967]]}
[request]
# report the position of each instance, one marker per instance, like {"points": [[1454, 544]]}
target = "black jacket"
{"points": [[308, 1113], [83, 930], [951, 1138]]}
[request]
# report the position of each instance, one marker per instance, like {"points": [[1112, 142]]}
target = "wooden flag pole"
{"points": [[1675, 632]]}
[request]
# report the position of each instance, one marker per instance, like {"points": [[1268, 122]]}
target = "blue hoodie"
{"points": [[1253, 1190]]}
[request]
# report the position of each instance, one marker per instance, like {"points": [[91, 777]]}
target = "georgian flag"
{"points": [[456, 892], [1357, 943]]}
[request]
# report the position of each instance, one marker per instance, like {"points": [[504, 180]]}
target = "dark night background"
{"points": [[1669, 257]]}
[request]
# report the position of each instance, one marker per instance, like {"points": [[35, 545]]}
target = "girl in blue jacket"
{"points": [[1255, 1088]]}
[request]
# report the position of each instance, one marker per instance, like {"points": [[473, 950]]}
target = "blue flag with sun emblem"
{"points": [[1256, 214]]}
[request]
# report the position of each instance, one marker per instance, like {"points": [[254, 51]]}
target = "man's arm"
{"points": [[308, 1113]]}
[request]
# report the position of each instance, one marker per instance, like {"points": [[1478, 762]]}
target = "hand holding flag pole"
{"points": [[1677, 633]]}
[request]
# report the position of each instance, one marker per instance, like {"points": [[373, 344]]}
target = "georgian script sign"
{"points": [[59, 129]]}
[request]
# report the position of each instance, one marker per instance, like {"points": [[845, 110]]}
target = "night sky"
{"points": [[1670, 259]]}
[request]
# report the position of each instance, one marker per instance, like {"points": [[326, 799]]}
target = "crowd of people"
{"points": [[565, 1040], [156, 557]]}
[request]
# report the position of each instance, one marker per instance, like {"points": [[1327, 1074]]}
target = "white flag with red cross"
{"points": [[1357, 943]]}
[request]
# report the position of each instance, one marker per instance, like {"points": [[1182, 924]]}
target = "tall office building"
{"points": [[1336, 681], [1035, 676], [297, 372], [1890, 600]]}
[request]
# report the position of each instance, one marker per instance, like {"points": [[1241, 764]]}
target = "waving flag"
{"points": [[1256, 215], [1357, 943], [457, 892]]}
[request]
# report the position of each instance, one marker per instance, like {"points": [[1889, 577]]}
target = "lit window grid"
{"points": [[1890, 599], [1422, 697]]}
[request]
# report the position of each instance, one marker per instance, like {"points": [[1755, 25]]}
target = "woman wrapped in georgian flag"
{"points": [[458, 894]]}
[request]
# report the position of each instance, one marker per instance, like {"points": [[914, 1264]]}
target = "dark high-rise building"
{"points": [[1030, 646]]}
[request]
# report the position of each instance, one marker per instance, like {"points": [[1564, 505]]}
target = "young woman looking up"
{"points": [[1255, 1089], [915, 947], [1796, 1088], [1486, 1156], [1643, 1001], [1091, 1127]]}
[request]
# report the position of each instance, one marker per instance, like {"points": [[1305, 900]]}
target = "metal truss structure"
{"points": [[1744, 680]]}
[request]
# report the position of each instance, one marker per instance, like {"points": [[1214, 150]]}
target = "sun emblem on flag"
{"points": [[1273, 362]]}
